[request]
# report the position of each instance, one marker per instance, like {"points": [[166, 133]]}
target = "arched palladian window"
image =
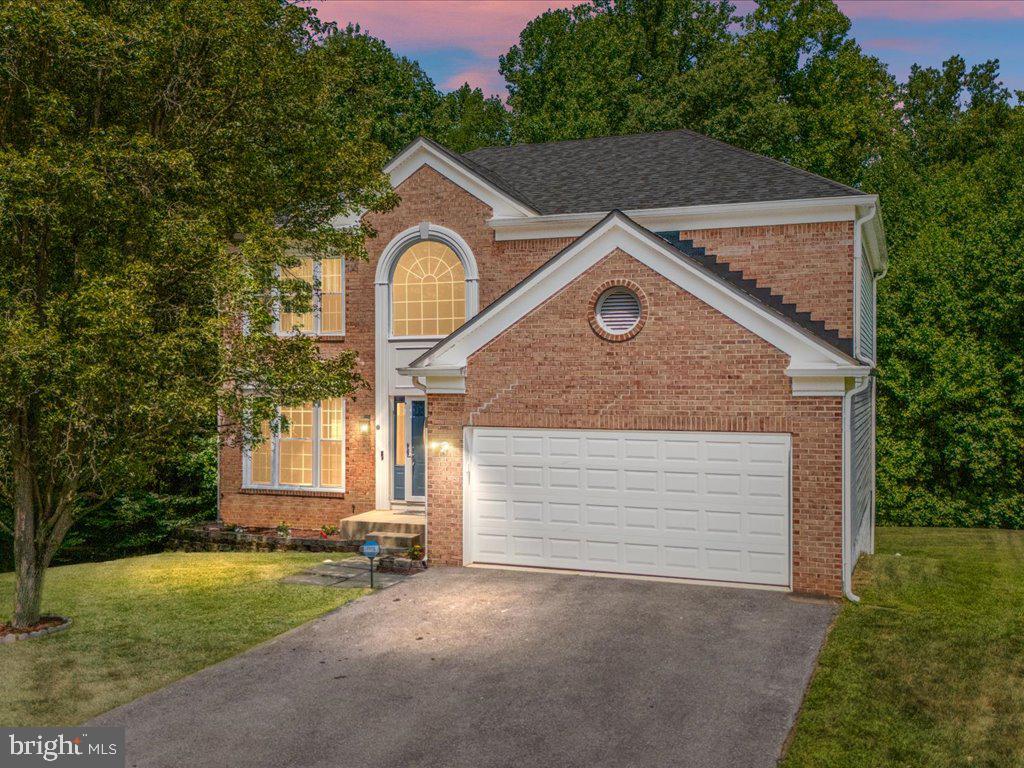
{"points": [[428, 291]]}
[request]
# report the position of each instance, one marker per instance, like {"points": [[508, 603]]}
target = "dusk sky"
{"points": [[460, 40]]}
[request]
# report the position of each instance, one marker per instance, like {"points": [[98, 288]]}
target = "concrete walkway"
{"points": [[474, 667]]}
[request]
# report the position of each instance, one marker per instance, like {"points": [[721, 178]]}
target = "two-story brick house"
{"points": [[642, 354]]}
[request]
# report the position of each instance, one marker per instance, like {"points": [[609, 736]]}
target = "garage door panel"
{"points": [[691, 505], [487, 445], [602, 448]]}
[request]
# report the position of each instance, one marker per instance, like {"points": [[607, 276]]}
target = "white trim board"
{"points": [[386, 347], [719, 216], [425, 152], [809, 357]]}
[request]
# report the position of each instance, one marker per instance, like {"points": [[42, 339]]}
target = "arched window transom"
{"points": [[428, 291]]}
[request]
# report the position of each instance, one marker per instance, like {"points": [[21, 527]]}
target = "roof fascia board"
{"points": [[804, 211], [618, 232], [421, 153]]}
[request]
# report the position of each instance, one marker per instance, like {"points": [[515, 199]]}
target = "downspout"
{"points": [[847, 522]]}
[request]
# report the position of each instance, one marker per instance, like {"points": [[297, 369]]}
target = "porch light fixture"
{"points": [[441, 447], [364, 425]]}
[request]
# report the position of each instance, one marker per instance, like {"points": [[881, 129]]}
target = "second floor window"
{"points": [[428, 291], [327, 316]]}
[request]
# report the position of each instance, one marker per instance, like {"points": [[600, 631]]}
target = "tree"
{"points": [[393, 101], [158, 162], [386, 97], [607, 67], [951, 310], [785, 80], [466, 119]]}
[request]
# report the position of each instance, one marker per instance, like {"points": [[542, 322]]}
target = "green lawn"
{"points": [[929, 669], [145, 621]]}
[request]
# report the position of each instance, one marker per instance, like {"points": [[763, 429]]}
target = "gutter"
{"points": [[847, 521], [715, 215]]}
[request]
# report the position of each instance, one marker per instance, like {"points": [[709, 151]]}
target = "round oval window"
{"points": [[618, 310]]}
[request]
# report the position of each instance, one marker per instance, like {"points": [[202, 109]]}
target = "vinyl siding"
{"points": [[862, 424], [866, 313]]}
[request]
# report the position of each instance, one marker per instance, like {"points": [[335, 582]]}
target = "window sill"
{"points": [[322, 337], [258, 490]]}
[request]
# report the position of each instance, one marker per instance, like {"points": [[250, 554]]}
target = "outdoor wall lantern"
{"points": [[364, 425]]}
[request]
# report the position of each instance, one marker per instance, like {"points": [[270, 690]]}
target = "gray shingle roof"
{"points": [[647, 170]]}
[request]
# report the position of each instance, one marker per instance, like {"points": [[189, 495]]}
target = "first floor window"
{"points": [[309, 452]]}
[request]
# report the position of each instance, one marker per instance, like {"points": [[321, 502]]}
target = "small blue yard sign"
{"points": [[370, 549]]}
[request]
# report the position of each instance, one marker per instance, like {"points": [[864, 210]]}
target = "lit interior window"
{"points": [[428, 292], [302, 320], [307, 453]]}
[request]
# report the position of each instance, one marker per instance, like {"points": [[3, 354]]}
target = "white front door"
{"points": [[697, 505]]}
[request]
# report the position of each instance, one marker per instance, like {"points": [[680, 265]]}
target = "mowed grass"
{"points": [[929, 669], [143, 622]]}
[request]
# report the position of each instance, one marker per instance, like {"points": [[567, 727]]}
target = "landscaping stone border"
{"points": [[213, 538], [13, 637], [394, 564]]}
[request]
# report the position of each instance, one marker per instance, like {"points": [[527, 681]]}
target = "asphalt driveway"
{"points": [[474, 667]]}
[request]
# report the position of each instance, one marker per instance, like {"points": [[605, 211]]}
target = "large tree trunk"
{"points": [[29, 551]]}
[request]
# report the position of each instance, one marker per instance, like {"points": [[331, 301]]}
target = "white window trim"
{"points": [[275, 467], [386, 346], [315, 330]]}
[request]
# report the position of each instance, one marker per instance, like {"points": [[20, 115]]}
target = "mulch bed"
{"points": [[47, 625]]}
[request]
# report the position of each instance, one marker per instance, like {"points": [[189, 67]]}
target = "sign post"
{"points": [[370, 549]]}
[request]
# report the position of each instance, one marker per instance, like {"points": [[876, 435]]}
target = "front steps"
{"points": [[395, 540], [393, 530]]}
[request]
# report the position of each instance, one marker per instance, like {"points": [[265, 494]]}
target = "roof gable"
{"points": [[483, 184], [809, 355]]}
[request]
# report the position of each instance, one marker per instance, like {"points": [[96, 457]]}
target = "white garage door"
{"points": [[698, 505]]}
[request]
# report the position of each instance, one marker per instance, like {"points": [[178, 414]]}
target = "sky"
{"points": [[459, 41]]}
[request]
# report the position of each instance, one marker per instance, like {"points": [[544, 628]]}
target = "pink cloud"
{"points": [[936, 10], [486, 27], [487, 80]]}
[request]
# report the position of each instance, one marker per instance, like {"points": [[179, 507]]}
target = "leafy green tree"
{"points": [[785, 80], [392, 100], [608, 67], [466, 119], [951, 310], [386, 97], [158, 162]]}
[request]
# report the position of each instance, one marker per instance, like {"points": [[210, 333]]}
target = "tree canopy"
{"points": [[951, 309], [158, 163], [785, 80]]}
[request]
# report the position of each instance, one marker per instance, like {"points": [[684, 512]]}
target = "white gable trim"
{"points": [[809, 357], [422, 152]]}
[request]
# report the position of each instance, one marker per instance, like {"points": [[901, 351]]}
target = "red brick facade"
{"points": [[691, 368], [426, 196], [810, 265]]}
